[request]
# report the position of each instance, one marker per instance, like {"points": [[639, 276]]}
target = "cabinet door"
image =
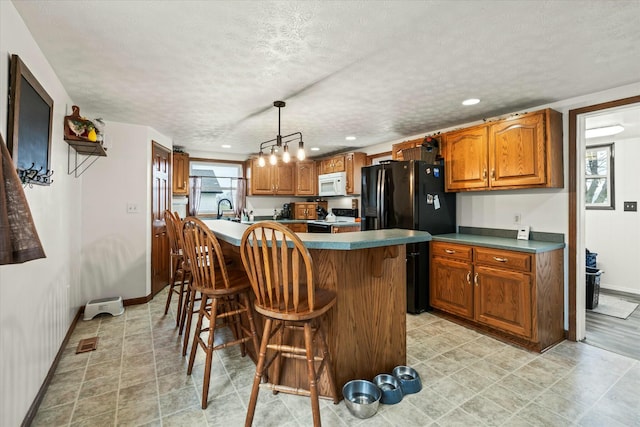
{"points": [[503, 300], [284, 181], [297, 227], [326, 166], [306, 179], [517, 151], [180, 179], [450, 286], [261, 180], [354, 163], [465, 154], [396, 149], [339, 164]]}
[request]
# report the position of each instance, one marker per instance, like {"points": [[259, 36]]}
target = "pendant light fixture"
{"points": [[280, 141]]}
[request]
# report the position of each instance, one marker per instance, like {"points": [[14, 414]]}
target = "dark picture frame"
{"points": [[30, 125]]}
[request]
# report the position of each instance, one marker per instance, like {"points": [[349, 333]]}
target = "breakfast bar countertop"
{"points": [[231, 232]]}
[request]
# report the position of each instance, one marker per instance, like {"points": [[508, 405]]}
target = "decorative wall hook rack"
{"points": [[35, 176]]}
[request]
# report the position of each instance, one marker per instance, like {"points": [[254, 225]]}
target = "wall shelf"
{"points": [[91, 150]]}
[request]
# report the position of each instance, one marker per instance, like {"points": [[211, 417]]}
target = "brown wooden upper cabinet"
{"points": [[524, 151], [332, 164], [180, 181], [272, 180], [397, 149], [354, 163], [306, 178]]}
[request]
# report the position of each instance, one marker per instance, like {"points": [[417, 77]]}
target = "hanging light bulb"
{"points": [[286, 157], [301, 154], [272, 158], [261, 161]]}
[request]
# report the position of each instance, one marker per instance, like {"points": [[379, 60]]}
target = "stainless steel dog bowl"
{"points": [[390, 387], [362, 397], [409, 379]]}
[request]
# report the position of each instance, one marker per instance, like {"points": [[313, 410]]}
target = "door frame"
{"points": [[576, 246]]}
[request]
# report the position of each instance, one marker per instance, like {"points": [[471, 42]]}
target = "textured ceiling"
{"points": [[206, 73]]}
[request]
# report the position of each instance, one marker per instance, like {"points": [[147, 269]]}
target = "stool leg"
{"points": [[277, 367], [209, 350], [180, 296], [185, 303], [189, 314], [172, 282], [196, 337], [258, 376], [311, 373]]}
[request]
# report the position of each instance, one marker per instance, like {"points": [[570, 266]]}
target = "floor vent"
{"points": [[87, 344]]}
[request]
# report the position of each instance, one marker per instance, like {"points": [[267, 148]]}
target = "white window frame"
{"points": [[606, 176]]}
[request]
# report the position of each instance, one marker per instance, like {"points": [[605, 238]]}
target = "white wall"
{"points": [[38, 299], [115, 244], [609, 232], [94, 248]]}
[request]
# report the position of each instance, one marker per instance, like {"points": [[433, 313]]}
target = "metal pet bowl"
{"points": [[361, 397], [390, 387], [409, 379]]}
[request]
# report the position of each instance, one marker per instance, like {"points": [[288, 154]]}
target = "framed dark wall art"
{"points": [[30, 121]]}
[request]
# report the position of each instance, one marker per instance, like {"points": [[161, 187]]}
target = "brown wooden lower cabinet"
{"points": [[297, 227], [515, 295]]}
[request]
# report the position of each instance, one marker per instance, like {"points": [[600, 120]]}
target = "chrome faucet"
{"points": [[220, 202]]}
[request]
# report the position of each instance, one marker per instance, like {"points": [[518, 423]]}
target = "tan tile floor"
{"points": [[137, 376]]}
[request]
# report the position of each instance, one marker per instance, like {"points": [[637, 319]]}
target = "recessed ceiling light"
{"points": [[603, 131], [350, 138], [470, 101], [226, 146], [315, 149]]}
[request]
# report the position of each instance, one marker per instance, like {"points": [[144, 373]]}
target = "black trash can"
{"points": [[593, 287]]}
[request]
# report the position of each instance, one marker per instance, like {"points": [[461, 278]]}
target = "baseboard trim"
{"points": [[33, 409]]}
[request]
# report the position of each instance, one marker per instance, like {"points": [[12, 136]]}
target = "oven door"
{"points": [[315, 227]]}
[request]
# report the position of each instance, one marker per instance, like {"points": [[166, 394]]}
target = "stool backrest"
{"points": [[204, 255], [279, 266], [173, 231]]}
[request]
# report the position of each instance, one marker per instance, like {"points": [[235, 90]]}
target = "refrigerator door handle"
{"points": [[382, 190], [378, 198]]}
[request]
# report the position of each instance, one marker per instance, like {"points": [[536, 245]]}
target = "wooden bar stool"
{"points": [[178, 277], [281, 276], [227, 291]]}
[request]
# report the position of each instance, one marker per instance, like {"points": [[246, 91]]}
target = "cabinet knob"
{"points": [[484, 173], [469, 277], [450, 251], [475, 279], [493, 174], [500, 259]]}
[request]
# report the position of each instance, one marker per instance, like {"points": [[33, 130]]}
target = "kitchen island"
{"points": [[366, 329]]}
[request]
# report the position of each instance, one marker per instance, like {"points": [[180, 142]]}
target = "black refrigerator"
{"points": [[410, 195]]}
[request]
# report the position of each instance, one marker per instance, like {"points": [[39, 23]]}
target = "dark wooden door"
{"points": [[160, 201]]}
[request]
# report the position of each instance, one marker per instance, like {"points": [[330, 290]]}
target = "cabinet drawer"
{"points": [[451, 250], [504, 259]]}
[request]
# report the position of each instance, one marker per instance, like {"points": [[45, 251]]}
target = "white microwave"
{"points": [[332, 184]]}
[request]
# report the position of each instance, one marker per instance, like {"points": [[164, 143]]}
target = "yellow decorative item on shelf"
{"points": [[78, 128]]}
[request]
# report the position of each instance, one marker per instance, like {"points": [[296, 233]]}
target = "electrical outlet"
{"points": [[516, 218], [132, 208], [631, 206]]}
